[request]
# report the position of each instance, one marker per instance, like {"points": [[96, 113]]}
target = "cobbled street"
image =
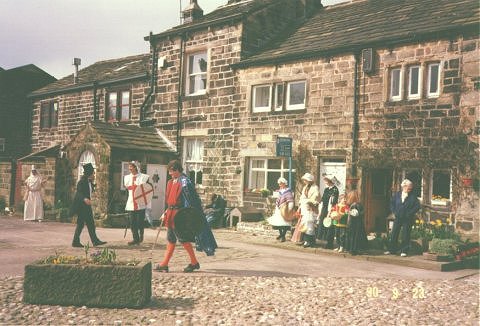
{"points": [[251, 280]]}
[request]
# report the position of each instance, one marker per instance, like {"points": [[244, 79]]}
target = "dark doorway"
{"points": [[378, 192]]}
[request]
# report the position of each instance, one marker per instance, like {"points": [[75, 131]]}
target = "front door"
{"points": [[158, 178], [377, 199]]}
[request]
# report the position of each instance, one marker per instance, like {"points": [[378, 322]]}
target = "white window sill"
{"points": [[440, 202]]}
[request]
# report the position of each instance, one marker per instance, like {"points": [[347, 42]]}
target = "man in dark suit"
{"points": [[404, 206], [82, 206]]}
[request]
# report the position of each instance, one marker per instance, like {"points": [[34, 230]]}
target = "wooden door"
{"points": [[377, 199]]}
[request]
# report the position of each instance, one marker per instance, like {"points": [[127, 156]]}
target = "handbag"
{"points": [[287, 214]]}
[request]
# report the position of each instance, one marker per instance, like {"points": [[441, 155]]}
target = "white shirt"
{"points": [[140, 179], [404, 195]]}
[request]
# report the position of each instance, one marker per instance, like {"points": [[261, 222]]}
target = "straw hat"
{"points": [[308, 177]]}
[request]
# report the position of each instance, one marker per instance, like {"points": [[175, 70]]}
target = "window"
{"points": [[118, 106], [261, 98], [48, 115], [193, 158], [296, 95], [197, 73], [264, 173], [2, 144], [287, 96], [414, 82], [441, 187], [415, 176], [86, 157], [395, 82], [433, 85]]}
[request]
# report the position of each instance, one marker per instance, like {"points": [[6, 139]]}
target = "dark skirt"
{"points": [[356, 237]]}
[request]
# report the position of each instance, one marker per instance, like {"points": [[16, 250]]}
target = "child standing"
{"points": [[308, 225]]}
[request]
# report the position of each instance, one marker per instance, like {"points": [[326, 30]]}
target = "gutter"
{"points": [[355, 126], [353, 48], [179, 95], [89, 85]]}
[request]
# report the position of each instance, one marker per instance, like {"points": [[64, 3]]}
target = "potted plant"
{"points": [[95, 280], [265, 192]]}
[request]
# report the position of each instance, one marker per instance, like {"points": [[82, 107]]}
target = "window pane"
{"points": [[2, 144], [197, 83], [262, 96], [414, 80], [198, 63], [125, 106], [395, 89], [433, 79], [272, 178], [125, 98], [441, 185], [274, 164], [259, 164], [296, 93], [54, 114], [44, 116], [279, 97], [112, 106], [257, 180]]}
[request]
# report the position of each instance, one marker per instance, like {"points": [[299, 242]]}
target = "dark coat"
{"points": [[83, 191], [405, 212]]}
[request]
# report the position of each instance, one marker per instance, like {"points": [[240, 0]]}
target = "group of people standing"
{"points": [[314, 211]]}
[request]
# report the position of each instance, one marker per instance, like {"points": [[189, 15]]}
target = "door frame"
{"points": [[371, 222]]}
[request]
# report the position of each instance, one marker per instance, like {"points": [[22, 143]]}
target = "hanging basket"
{"points": [[467, 182]]}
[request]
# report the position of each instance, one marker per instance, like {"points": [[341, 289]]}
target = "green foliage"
{"points": [[265, 192], [435, 229], [104, 257], [444, 246]]}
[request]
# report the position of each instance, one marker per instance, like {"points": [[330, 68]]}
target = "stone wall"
{"points": [[5, 181], [75, 109], [425, 133]]}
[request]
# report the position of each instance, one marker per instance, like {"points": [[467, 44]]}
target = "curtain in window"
{"points": [[86, 157]]}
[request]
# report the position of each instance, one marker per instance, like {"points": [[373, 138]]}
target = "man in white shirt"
{"points": [[135, 208]]}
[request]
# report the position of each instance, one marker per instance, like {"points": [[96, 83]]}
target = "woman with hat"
{"points": [[329, 199], [280, 220], [310, 194], [82, 206], [33, 209]]}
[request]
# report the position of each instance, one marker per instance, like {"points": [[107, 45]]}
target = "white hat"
{"points": [[282, 180], [308, 177], [33, 168]]}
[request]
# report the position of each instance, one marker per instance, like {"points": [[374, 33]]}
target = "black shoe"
{"points": [[133, 243], [77, 245], [279, 237], [99, 243], [190, 268], [160, 268], [282, 239]]}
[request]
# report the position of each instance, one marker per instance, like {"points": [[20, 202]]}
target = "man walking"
{"points": [[82, 206]]}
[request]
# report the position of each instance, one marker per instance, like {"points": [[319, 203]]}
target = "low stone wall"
{"points": [[113, 286]]}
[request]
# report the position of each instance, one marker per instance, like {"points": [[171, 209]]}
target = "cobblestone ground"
{"points": [[194, 299]]}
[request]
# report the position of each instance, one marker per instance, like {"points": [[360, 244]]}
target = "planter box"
{"points": [[113, 286], [437, 257]]}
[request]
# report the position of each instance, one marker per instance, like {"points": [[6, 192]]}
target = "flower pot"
{"points": [[114, 286]]}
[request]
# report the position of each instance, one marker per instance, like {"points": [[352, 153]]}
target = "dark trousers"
{"points": [[85, 217], [340, 234], [330, 237], [398, 225], [137, 219]]}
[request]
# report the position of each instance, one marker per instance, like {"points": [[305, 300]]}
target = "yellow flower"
{"points": [[417, 221], [439, 222], [432, 222], [422, 221], [449, 221]]}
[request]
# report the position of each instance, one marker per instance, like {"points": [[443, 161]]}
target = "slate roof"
{"points": [[351, 26], [219, 15], [131, 137], [103, 72]]}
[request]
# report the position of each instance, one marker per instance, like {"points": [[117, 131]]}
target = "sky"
{"points": [[50, 33]]}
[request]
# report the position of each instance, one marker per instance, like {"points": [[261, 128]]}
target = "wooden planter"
{"points": [[113, 286]]}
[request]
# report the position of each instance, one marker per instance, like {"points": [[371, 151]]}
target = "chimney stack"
{"points": [[76, 62], [192, 12]]}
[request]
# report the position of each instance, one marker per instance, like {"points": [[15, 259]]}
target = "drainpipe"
{"points": [[355, 126], [153, 80], [95, 101], [179, 96]]}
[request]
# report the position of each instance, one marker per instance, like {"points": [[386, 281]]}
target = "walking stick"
{"points": [[158, 233]]}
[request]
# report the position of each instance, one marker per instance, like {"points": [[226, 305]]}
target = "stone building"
{"points": [[373, 92], [93, 117], [15, 131]]}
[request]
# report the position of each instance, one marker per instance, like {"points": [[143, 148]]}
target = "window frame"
{"points": [[395, 98], [431, 94], [418, 95], [197, 164], [124, 171], [85, 157], [260, 109], [49, 111], [436, 202], [118, 105], [188, 74], [295, 107], [283, 170], [3, 143]]}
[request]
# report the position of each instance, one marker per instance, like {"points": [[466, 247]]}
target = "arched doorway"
{"points": [[85, 157]]}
